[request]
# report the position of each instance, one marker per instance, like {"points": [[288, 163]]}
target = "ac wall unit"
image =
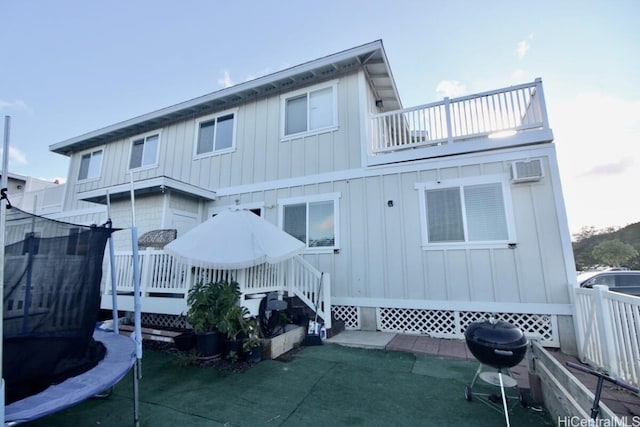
{"points": [[526, 171]]}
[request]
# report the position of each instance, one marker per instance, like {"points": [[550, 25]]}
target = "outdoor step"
{"points": [[337, 326], [152, 334]]}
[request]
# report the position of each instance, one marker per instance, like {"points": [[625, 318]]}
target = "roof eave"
{"points": [[145, 187]]}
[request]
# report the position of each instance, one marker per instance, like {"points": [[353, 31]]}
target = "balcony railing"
{"points": [[165, 283], [516, 108]]}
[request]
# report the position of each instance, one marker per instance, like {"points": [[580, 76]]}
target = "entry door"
{"points": [[183, 222]]}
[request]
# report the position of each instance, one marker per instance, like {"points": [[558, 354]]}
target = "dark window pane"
{"points": [[205, 137], [295, 221], [224, 132], [84, 166], [136, 154], [444, 215], [296, 115]]}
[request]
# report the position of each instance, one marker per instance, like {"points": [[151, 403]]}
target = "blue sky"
{"points": [[70, 67]]}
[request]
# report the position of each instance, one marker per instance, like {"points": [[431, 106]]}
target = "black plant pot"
{"points": [[185, 341], [208, 344], [255, 354]]}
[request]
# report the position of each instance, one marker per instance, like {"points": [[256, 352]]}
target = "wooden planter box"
{"points": [[278, 345]]}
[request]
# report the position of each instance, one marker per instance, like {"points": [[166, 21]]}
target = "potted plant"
{"points": [[203, 314], [227, 297], [233, 325], [252, 345]]}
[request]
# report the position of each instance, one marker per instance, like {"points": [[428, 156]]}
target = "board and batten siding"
{"points": [[381, 254], [259, 156]]}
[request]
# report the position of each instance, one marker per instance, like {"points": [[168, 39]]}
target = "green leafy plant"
{"points": [[227, 298], [201, 300], [182, 358], [209, 304], [252, 333], [233, 323], [233, 356]]}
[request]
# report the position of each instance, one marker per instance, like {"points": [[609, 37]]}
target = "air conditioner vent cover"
{"points": [[526, 171]]}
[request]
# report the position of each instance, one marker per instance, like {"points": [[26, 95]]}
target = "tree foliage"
{"points": [[589, 237], [613, 252]]}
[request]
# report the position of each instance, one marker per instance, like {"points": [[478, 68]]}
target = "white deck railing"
{"points": [[516, 108], [165, 282], [608, 331]]}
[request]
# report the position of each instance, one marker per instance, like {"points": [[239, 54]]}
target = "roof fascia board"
{"points": [[150, 183]]}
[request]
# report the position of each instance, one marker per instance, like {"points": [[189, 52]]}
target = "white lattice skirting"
{"points": [[435, 323], [164, 320], [449, 323]]}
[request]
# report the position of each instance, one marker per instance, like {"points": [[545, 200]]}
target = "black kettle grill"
{"points": [[501, 346], [496, 343]]}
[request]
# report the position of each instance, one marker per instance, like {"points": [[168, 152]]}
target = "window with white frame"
{"points": [[90, 165], [467, 211], [216, 134], [312, 220], [144, 151], [310, 110]]}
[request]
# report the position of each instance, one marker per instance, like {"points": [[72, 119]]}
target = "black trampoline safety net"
{"points": [[52, 276]]}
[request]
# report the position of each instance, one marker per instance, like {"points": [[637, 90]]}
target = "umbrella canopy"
{"points": [[235, 239]]}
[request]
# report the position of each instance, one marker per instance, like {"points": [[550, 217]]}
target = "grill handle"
{"points": [[503, 352]]}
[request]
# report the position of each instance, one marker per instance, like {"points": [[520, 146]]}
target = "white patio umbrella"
{"points": [[235, 239]]}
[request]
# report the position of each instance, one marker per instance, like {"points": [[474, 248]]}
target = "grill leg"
{"points": [[504, 399], [475, 377]]}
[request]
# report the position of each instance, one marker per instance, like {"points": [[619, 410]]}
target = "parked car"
{"points": [[625, 281]]}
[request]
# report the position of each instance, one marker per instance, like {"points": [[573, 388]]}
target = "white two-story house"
{"points": [[424, 218]]}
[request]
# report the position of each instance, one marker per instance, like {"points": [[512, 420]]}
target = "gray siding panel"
{"points": [[381, 254]]}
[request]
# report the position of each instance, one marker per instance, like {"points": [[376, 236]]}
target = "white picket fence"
{"points": [[608, 332], [165, 282]]}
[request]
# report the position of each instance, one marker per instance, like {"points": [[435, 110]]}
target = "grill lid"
{"points": [[496, 334], [496, 343]]}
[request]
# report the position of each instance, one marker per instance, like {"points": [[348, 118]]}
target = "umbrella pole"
{"points": [[3, 203], [137, 371], [112, 265]]}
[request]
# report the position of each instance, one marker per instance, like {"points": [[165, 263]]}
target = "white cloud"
{"points": [[596, 139], [17, 104], [16, 156], [450, 88], [523, 46], [225, 81], [613, 168]]}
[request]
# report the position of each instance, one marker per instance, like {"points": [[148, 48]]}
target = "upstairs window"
{"points": [[216, 135], [31, 243], [90, 165], [309, 111], [312, 220], [467, 213], [78, 241], [144, 151]]}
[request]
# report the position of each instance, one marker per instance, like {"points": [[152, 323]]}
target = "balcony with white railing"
{"points": [[165, 283], [501, 118]]}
